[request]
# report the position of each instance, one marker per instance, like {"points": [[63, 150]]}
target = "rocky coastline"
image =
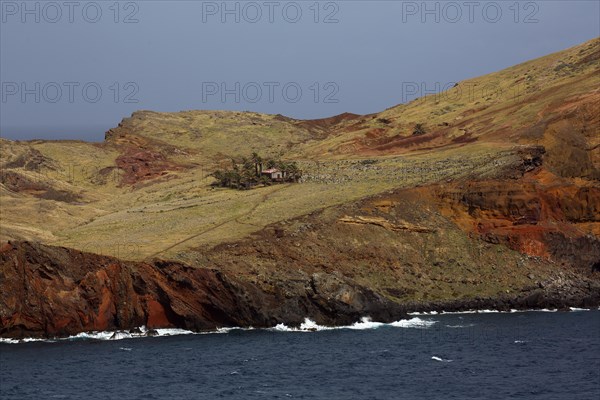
{"points": [[50, 292]]}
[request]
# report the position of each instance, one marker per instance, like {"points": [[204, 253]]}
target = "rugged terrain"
{"points": [[496, 205]]}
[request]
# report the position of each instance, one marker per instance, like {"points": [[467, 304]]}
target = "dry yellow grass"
{"points": [[179, 211]]}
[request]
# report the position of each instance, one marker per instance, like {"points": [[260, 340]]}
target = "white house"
{"points": [[273, 173]]}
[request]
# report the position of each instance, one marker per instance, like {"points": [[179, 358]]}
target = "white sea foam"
{"points": [[489, 311], [413, 323], [307, 326], [435, 358], [365, 323], [25, 340], [310, 325], [175, 331], [116, 335], [426, 313], [120, 335], [227, 330]]}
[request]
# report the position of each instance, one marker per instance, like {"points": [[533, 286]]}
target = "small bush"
{"points": [[419, 129]]}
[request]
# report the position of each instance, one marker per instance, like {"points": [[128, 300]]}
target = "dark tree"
{"points": [[419, 129]]}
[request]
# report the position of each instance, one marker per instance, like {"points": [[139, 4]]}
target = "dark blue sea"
{"points": [[529, 355]]}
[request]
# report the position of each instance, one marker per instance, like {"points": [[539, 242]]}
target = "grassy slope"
{"points": [[495, 108], [166, 216]]}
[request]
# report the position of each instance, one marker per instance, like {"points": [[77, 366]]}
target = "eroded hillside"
{"points": [[495, 196]]}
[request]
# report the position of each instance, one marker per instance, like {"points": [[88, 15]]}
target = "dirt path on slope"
{"points": [[264, 198]]}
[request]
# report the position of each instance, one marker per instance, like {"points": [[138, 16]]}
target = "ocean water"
{"points": [[522, 355]]}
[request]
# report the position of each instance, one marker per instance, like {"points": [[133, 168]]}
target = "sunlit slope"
{"points": [[210, 134], [167, 217], [516, 105], [145, 191]]}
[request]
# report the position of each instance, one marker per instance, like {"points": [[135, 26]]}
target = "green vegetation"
{"points": [[249, 172], [340, 161], [419, 129]]}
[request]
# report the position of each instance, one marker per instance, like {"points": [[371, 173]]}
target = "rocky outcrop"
{"points": [[54, 291], [558, 221], [561, 292], [140, 165], [496, 205], [27, 158], [466, 245], [384, 223], [20, 183]]}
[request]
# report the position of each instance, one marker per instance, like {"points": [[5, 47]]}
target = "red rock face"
{"points": [[52, 291], [56, 291], [142, 165], [141, 158], [559, 222]]}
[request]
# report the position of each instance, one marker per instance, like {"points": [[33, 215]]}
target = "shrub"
{"points": [[419, 129]]}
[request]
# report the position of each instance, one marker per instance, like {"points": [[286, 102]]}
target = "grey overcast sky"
{"points": [[72, 70]]}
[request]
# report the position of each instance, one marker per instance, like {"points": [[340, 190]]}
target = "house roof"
{"points": [[270, 171]]}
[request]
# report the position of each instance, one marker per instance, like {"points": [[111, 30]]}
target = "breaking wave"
{"points": [[429, 313], [307, 326], [436, 358], [117, 335], [413, 323], [365, 323]]}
